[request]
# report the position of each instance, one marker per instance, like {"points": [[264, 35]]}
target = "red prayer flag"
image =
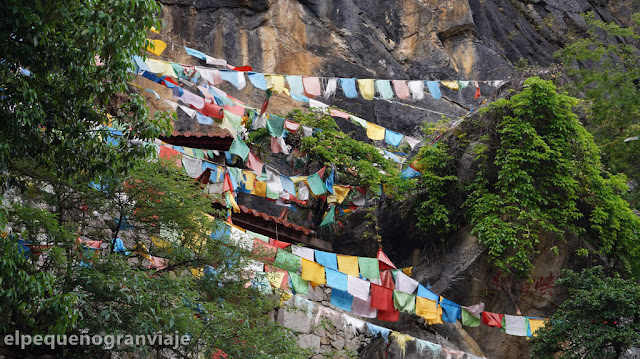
{"points": [[171, 155], [211, 110], [385, 262], [477, 93], [381, 297], [279, 244], [389, 315], [386, 279], [264, 252], [492, 319]]}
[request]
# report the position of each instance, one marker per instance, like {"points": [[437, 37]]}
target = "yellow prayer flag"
{"points": [[297, 179], [275, 278], [452, 85], [367, 89], [341, 192], [156, 47], [348, 265], [160, 243], [375, 132], [408, 271], [231, 201], [249, 179], [260, 189], [275, 83], [153, 29], [429, 310], [313, 272], [161, 68], [535, 324]]}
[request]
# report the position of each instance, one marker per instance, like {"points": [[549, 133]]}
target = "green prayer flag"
{"points": [[316, 185], [404, 302], [210, 154], [271, 194], [275, 125], [469, 320], [234, 120], [369, 267], [299, 285], [179, 70], [330, 217], [358, 121], [287, 261], [239, 148], [261, 237], [198, 153]]}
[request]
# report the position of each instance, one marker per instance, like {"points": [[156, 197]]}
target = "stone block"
{"points": [[309, 341], [295, 320]]}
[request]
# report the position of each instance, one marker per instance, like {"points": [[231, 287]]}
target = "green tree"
{"points": [[56, 103], [600, 319], [540, 178], [603, 68]]}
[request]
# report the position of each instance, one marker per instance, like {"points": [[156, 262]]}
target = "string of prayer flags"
{"points": [[369, 268], [404, 302], [348, 265], [313, 272]]}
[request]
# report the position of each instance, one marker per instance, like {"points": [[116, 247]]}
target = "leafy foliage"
{"points": [[601, 318], [55, 106], [540, 177], [439, 182], [360, 164], [604, 69], [55, 99]]}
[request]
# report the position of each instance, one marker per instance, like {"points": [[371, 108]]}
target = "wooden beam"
{"points": [[273, 230]]}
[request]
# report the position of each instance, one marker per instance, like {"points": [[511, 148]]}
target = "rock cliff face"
{"points": [[404, 39]]}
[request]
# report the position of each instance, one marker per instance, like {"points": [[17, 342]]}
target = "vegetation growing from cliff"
{"points": [[358, 163], [540, 178], [604, 68], [601, 318]]}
